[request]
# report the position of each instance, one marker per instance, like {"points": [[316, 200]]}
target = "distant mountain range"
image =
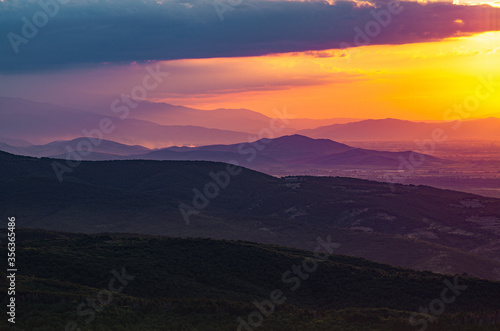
{"points": [[287, 152], [44, 123], [399, 130], [240, 119], [159, 125], [414, 226], [149, 124]]}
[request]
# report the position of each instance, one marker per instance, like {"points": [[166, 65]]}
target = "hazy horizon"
{"points": [[345, 59]]}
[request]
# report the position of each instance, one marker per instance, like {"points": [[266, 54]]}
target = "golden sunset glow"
{"points": [[411, 81]]}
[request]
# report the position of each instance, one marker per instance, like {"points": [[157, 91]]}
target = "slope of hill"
{"points": [[201, 284], [417, 227]]}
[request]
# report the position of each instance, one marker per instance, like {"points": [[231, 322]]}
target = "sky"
{"points": [[378, 59]]}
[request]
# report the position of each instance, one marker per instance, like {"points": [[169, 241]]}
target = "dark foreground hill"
{"points": [[131, 282], [413, 226]]}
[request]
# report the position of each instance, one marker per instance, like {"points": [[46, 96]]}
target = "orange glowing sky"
{"points": [[411, 81]]}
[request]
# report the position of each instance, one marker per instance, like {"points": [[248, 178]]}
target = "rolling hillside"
{"points": [[415, 226], [201, 284]]}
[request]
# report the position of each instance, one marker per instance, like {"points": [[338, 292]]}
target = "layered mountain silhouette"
{"points": [[44, 123], [241, 119], [294, 152], [287, 152], [148, 124], [157, 125]]}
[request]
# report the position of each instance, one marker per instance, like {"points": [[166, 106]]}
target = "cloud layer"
{"points": [[83, 33]]}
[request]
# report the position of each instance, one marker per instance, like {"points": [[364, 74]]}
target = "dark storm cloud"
{"points": [[92, 32]]}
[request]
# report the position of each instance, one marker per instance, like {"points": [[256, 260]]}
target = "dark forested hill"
{"points": [[202, 284], [413, 226]]}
